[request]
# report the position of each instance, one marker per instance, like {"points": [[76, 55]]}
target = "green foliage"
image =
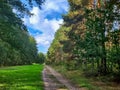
{"points": [[55, 53], [41, 58], [23, 7], [17, 47], [27, 77], [90, 40]]}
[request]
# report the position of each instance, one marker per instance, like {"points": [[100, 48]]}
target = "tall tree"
{"points": [[92, 39], [16, 45]]}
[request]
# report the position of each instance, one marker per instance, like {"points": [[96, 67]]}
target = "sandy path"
{"points": [[55, 81]]}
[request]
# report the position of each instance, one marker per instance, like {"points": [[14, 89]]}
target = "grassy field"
{"points": [[89, 83], [28, 77]]}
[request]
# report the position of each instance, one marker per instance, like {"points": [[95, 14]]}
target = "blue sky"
{"points": [[45, 22]]}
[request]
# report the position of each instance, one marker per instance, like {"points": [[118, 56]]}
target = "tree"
{"points": [[41, 58], [17, 47], [91, 41]]}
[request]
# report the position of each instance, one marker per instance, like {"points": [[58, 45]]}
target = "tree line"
{"points": [[89, 38], [17, 47]]}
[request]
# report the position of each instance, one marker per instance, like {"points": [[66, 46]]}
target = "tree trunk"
{"points": [[103, 58]]}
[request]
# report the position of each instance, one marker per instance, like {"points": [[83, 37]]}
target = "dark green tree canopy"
{"points": [[17, 47], [23, 5]]}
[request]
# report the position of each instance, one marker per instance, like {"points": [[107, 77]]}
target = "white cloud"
{"points": [[43, 39], [47, 26], [35, 18], [58, 5]]}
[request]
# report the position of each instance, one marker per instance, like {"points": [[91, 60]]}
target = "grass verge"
{"points": [[89, 83], [28, 77]]}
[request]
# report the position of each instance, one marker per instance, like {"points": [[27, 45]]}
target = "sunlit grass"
{"points": [[28, 77]]}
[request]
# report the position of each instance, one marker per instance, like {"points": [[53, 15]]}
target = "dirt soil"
{"points": [[55, 81]]}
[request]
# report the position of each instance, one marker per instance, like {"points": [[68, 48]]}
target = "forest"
{"points": [[89, 39], [86, 44], [17, 46]]}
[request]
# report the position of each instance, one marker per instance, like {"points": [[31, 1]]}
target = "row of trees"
{"points": [[17, 47], [89, 38]]}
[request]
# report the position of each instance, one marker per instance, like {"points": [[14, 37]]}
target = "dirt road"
{"points": [[55, 81]]}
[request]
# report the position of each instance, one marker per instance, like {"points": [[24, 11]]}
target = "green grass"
{"points": [[78, 78], [28, 77]]}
